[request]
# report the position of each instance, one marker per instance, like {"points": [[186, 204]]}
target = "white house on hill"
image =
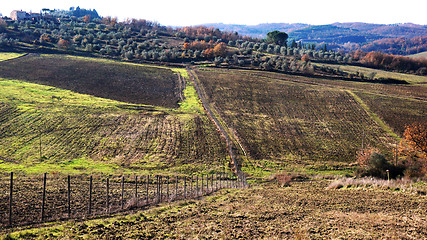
{"points": [[18, 15]]}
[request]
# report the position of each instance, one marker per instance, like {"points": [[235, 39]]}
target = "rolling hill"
{"points": [[143, 115], [44, 126], [338, 36]]}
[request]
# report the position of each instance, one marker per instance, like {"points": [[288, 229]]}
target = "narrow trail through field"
{"points": [[218, 122], [374, 116]]}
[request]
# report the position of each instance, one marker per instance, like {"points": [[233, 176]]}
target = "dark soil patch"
{"points": [[117, 81]]}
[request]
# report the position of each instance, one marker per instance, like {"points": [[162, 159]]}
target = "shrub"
{"points": [[283, 179], [3, 25], [372, 163], [378, 165]]}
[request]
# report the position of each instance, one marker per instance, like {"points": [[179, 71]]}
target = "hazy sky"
{"points": [[194, 12]]}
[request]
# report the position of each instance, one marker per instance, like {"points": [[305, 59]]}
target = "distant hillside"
{"points": [[328, 33], [260, 30], [340, 36]]}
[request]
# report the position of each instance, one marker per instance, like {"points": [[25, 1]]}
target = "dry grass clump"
{"points": [[132, 203], [285, 179], [367, 182]]}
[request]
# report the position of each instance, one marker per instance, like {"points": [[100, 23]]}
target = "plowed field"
{"points": [[106, 79], [305, 210]]}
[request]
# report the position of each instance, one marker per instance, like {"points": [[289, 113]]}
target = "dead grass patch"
{"points": [[367, 182]]}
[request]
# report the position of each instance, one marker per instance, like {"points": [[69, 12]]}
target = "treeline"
{"points": [[401, 46], [395, 62], [74, 12]]}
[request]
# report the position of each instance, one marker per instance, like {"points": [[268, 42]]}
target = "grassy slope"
{"points": [[82, 133], [422, 54], [9, 55], [411, 78], [306, 210]]}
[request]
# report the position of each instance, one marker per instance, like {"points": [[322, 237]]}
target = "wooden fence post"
{"points": [[10, 199], [160, 188], [147, 186], [108, 196], [212, 182], [90, 195], [207, 183], [136, 189], [197, 186], [167, 188], [69, 196], [156, 195], [202, 185], [185, 187], [191, 186], [176, 187], [44, 195], [122, 193]]}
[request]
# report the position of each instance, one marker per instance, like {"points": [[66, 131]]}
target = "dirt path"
{"points": [[230, 144]]}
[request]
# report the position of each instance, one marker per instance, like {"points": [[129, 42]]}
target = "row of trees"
{"points": [[402, 46], [395, 62]]}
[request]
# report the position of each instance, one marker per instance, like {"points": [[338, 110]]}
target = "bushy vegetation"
{"points": [[410, 157]]}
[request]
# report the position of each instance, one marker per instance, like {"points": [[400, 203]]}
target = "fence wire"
{"points": [[26, 200]]}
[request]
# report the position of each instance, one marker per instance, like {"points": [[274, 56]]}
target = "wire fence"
{"points": [[27, 200]]}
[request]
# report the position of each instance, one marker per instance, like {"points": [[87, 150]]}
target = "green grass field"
{"points": [[9, 55]]}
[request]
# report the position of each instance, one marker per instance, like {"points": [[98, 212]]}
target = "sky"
{"points": [[196, 12]]}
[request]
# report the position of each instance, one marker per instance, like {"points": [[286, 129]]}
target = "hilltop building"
{"points": [[19, 15]]}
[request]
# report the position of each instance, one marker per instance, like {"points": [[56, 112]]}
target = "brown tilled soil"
{"points": [[122, 82], [304, 210]]}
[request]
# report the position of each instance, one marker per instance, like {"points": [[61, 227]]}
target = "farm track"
{"points": [[229, 142]]}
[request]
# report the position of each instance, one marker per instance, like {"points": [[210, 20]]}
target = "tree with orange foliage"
{"points": [[63, 44], [413, 150], [86, 18], [208, 53], [186, 46], [305, 58], [220, 50], [110, 21], [416, 136]]}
